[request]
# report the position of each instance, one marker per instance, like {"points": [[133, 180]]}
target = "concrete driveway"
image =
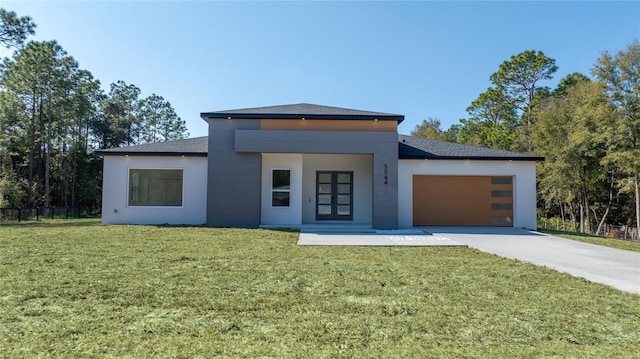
{"points": [[614, 267]]}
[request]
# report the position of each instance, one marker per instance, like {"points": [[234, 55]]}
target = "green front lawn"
{"points": [[145, 291], [588, 238], [47, 222]]}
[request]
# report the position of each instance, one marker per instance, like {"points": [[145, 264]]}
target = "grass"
{"points": [[588, 238], [143, 291], [47, 222]]}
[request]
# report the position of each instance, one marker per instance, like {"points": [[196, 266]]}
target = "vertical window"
{"points": [[280, 188], [155, 187]]}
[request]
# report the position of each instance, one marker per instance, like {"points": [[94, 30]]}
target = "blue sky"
{"points": [[419, 59]]}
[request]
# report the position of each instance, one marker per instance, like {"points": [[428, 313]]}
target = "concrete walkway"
{"points": [[412, 237], [614, 267]]}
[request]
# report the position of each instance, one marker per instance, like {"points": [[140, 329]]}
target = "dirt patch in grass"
{"points": [[142, 291]]}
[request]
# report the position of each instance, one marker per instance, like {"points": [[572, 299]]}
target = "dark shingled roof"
{"points": [[422, 148], [193, 147], [409, 148], [300, 110]]}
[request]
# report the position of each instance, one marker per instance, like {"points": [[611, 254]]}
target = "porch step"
{"points": [[327, 228]]}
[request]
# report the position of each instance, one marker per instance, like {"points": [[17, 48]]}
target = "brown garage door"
{"points": [[462, 201]]}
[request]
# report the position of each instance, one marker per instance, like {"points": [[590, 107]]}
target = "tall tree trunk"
{"points": [[529, 131], [637, 185], [65, 173], [562, 215], [64, 168], [4, 146], [587, 217], [581, 217], [572, 217], [32, 140], [603, 220], [74, 176], [606, 212], [47, 163], [74, 161], [40, 163], [584, 202]]}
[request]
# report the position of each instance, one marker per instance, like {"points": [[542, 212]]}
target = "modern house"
{"points": [[304, 164]]}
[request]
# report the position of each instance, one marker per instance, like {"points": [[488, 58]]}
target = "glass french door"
{"points": [[334, 195]]}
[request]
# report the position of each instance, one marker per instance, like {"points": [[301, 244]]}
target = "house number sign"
{"points": [[386, 173]]}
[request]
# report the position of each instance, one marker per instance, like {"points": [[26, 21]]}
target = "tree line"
{"points": [[53, 115], [588, 129]]}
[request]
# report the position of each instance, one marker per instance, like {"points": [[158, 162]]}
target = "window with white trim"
{"points": [[155, 187], [280, 188]]}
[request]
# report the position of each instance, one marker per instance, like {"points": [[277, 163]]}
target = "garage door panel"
{"points": [[462, 200]]}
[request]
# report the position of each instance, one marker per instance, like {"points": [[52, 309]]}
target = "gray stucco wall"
{"points": [[385, 187], [383, 146], [233, 186]]}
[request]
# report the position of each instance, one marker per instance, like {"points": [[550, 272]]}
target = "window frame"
{"points": [[128, 187], [273, 190]]}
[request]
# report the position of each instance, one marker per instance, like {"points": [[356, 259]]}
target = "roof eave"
{"points": [[151, 154], [478, 158], [272, 116]]}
